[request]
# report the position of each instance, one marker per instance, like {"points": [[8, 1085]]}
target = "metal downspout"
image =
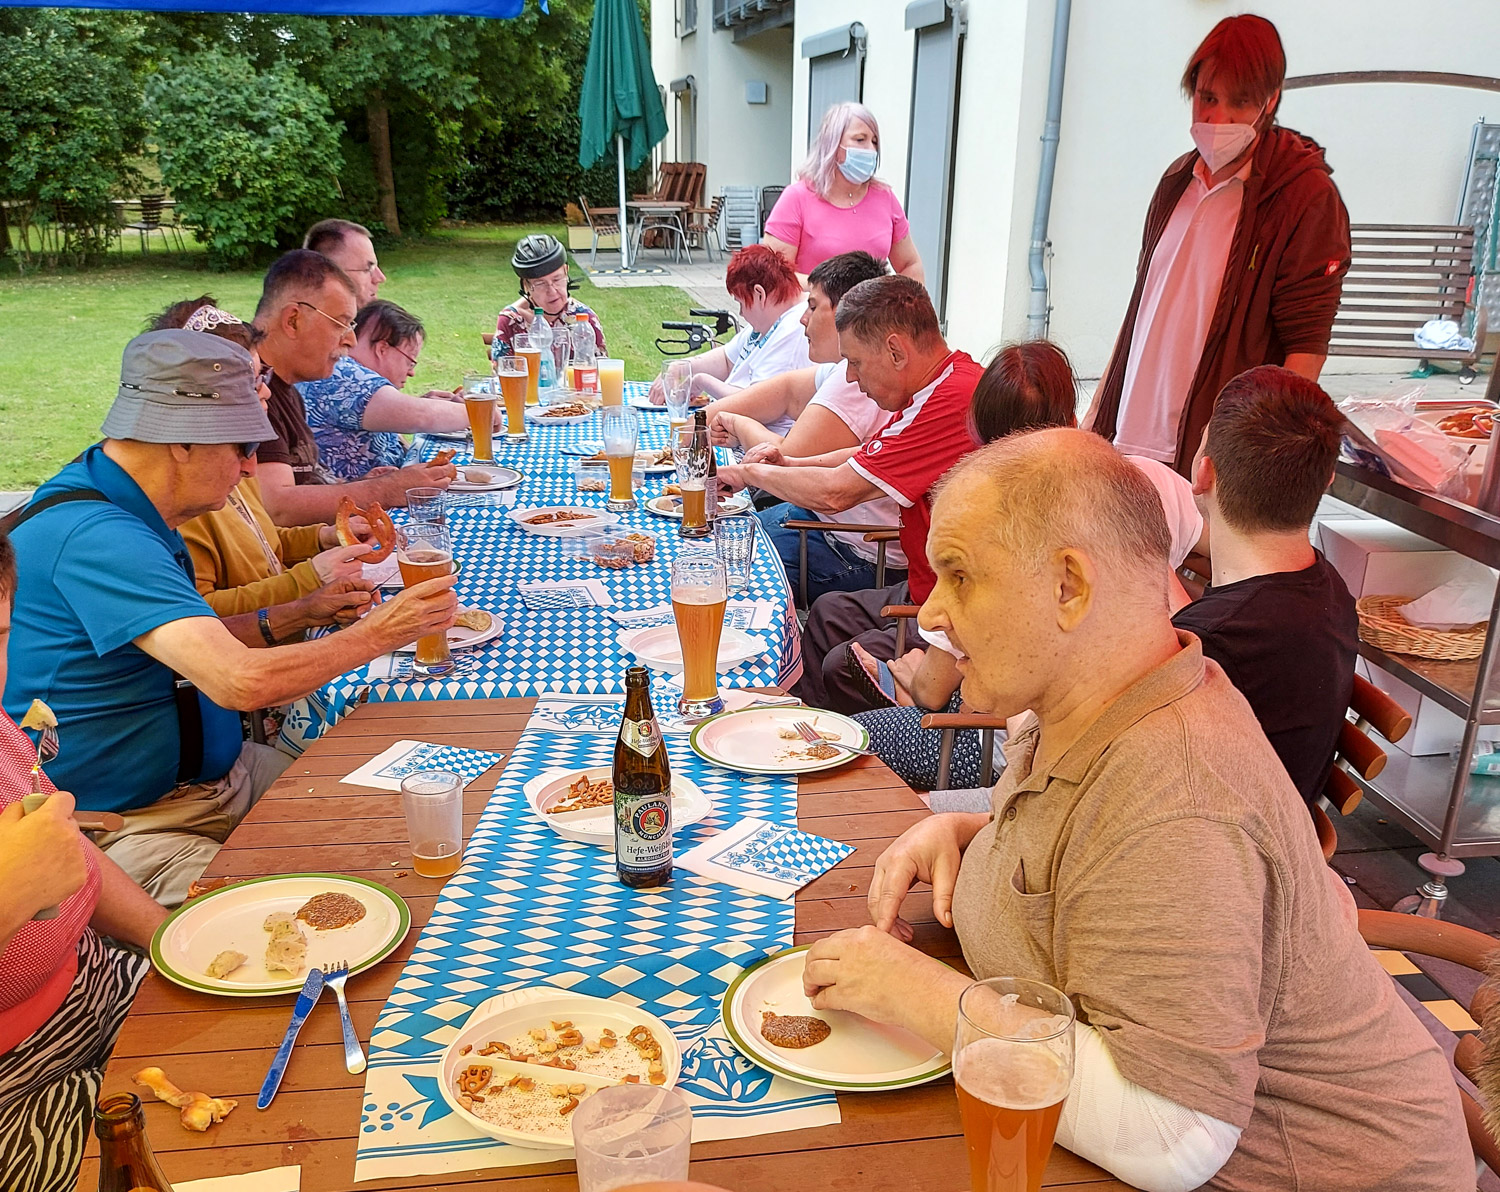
{"points": [[1038, 310]]}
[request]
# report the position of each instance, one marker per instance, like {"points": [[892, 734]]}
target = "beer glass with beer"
{"points": [[433, 803], [621, 428], [611, 380], [510, 371], [700, 590], [479, 401], [1012, 1065], [426, 552], [690, 454], [522, 346]]}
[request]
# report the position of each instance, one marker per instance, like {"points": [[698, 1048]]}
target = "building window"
{"points": [[687, 17]]}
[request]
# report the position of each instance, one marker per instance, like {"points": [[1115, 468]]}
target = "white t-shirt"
{"points": [[1182, 288], [864, 418], [1184, 521], [755, 358]]}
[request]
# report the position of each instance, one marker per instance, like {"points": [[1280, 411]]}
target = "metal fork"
{"points": [[334, 978], [813, 737]]}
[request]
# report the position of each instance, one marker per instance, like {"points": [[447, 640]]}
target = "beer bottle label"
{"points": [[643, 831], [642, 736]]}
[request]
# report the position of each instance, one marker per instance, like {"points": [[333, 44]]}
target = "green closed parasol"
{"points": [[620, 100]]}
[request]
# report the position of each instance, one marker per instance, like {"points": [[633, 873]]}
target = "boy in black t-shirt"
{"points": [[1277, 617]]}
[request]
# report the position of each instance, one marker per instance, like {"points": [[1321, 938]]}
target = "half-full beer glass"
{"points": [[700, 590], [510, 371], [621, 428], [1012, 1065], [426, 552], [479, 401]]}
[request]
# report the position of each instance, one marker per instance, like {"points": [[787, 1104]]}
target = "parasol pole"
{"points": [[624, 221]]}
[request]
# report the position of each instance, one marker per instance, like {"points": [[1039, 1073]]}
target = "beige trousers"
{"points": [[167, 845]]}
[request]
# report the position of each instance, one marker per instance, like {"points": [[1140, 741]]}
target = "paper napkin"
{"points": [[273, 1179], [763, 858], [546, 594], [386, 771]]}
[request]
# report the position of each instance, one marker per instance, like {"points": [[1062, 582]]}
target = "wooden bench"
{"points": [[1401, 276]]}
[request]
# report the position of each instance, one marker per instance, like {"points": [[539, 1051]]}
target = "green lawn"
{"points": [[61, 334]]}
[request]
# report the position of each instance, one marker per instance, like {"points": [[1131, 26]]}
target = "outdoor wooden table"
{"points": [[905, 1141]]}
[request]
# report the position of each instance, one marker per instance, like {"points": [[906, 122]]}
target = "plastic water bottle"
{"points": [[585, 362], [541, 337]]}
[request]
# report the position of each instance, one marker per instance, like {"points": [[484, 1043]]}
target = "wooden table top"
{"points": [[905, 1141]]}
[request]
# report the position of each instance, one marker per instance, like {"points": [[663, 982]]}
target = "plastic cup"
{"points": [[631, 1134], [433, 801], [612, 381], [734, 539]]}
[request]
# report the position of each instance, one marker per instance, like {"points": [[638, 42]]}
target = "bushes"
{"points": [[250, 156]]}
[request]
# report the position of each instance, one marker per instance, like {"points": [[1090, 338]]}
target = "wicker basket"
{"points": [[1381, 625]]}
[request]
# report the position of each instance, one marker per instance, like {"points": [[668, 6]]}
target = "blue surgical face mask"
{"points": [[859, 164]]}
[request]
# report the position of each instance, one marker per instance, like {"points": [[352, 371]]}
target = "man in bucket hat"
{"points": [[109, 630]]}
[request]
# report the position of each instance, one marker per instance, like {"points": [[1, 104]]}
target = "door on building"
{"points": [[685, 126], [936, 82], [835, 70]]}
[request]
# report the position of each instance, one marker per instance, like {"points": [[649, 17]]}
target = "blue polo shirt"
{"points": [[92, 577]]}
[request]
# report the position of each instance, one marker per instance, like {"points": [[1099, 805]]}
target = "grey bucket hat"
{"points": [[186, 387]]}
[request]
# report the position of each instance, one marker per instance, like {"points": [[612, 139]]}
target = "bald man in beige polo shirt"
{"points": [[1148, 855]]}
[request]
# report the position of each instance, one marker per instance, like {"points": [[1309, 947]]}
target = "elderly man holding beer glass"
{"points": [[1146, 855]]}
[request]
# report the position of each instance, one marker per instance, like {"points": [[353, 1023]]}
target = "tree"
{"points": [[250, 155]]}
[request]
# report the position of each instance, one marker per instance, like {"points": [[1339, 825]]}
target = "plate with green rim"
{"points": [[858, 1055], [232, 918], [743, 740]]}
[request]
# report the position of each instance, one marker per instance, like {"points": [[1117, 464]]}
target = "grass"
{"points": [[61, 333]]}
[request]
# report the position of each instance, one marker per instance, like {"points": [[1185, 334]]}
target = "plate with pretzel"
{"points": [[580, 804], [1473, 425], [562, 521]]}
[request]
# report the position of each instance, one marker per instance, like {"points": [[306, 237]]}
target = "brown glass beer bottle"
{"points": [[126, 1163], [643, 790]]}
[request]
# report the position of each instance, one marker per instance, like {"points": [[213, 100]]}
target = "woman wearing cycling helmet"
{"points": [[542, 265]]}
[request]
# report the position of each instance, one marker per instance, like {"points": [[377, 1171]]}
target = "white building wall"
{"points": [[742, 144]]}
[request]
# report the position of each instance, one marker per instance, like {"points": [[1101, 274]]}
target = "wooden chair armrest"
{"points": [[1479, 1134], [1342, 791], [799, 523], [1328, 840], [1430, 937], [885, 535], [1468, 1055], [901, 610], [1388, 718], [1367, 758], [941, 720], [488, 337]]}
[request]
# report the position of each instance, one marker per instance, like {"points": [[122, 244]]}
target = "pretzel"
{"points": [[445, 456], [382, 531]]}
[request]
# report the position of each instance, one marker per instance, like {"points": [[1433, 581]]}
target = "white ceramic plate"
{"points": [[762, 740], [460, 638], [659, 648], [596, 825], [671, 506], [597, 519], [860, 1055], [511, 1014], [503, 478], [232, 917], [454, 436], [539, 415], [590, 449]]}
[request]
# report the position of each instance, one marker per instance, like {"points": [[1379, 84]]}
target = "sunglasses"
{"points": [[263, 377], [246, 450]]}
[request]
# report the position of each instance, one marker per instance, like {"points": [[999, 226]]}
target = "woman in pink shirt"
{"points": [[837, 204], [64, 988]]}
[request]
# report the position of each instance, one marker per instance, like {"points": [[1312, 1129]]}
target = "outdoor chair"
{"points": [[601, 221], [1357, 753], [768, 197], [703, 226], [1472, 950], [882, 535], [150, 221]]}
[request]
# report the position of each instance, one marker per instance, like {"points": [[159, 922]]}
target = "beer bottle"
{"points": [[711, 485], [126, 1163], [643, 790]]}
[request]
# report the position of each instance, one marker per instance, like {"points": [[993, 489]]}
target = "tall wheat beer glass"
{"points": [[621, 428], [511, 373], [700, 590], [533, 357], [1012, 1064], [479, 401], [426, 553]]}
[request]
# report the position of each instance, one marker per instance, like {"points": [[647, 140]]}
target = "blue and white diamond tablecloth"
{"points": [[571, 649], [529, 908]]}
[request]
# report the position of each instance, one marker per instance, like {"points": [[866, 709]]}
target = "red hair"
{"points": [[757, 265], [1247, 59]]}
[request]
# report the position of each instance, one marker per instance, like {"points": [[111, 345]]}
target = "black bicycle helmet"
{"points": [[538, 255]]}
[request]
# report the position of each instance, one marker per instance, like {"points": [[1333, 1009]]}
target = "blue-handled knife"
{"points": [[312, 989]]}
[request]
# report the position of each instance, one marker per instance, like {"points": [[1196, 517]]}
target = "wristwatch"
{"points": [[263, 619]]}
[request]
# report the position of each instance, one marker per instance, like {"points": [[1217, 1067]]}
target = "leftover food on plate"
{"points": [[569, 1048], [792, 1031], [199, 1110], [331, 910], [570, 409], [473, 618], [225, 963], [1476, 423], [558, 515], [286, 951], [585, 793], [813, 753], [526, 1104]]}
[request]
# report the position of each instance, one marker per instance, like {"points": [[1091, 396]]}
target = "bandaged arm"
{"points": [[1139, 1136]]}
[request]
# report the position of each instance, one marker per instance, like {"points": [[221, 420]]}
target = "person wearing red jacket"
{"points": [[1243, 258]]}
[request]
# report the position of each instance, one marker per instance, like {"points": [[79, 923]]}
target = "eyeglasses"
{"points": [[246, 450], [408, 355], [339, 323]]}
